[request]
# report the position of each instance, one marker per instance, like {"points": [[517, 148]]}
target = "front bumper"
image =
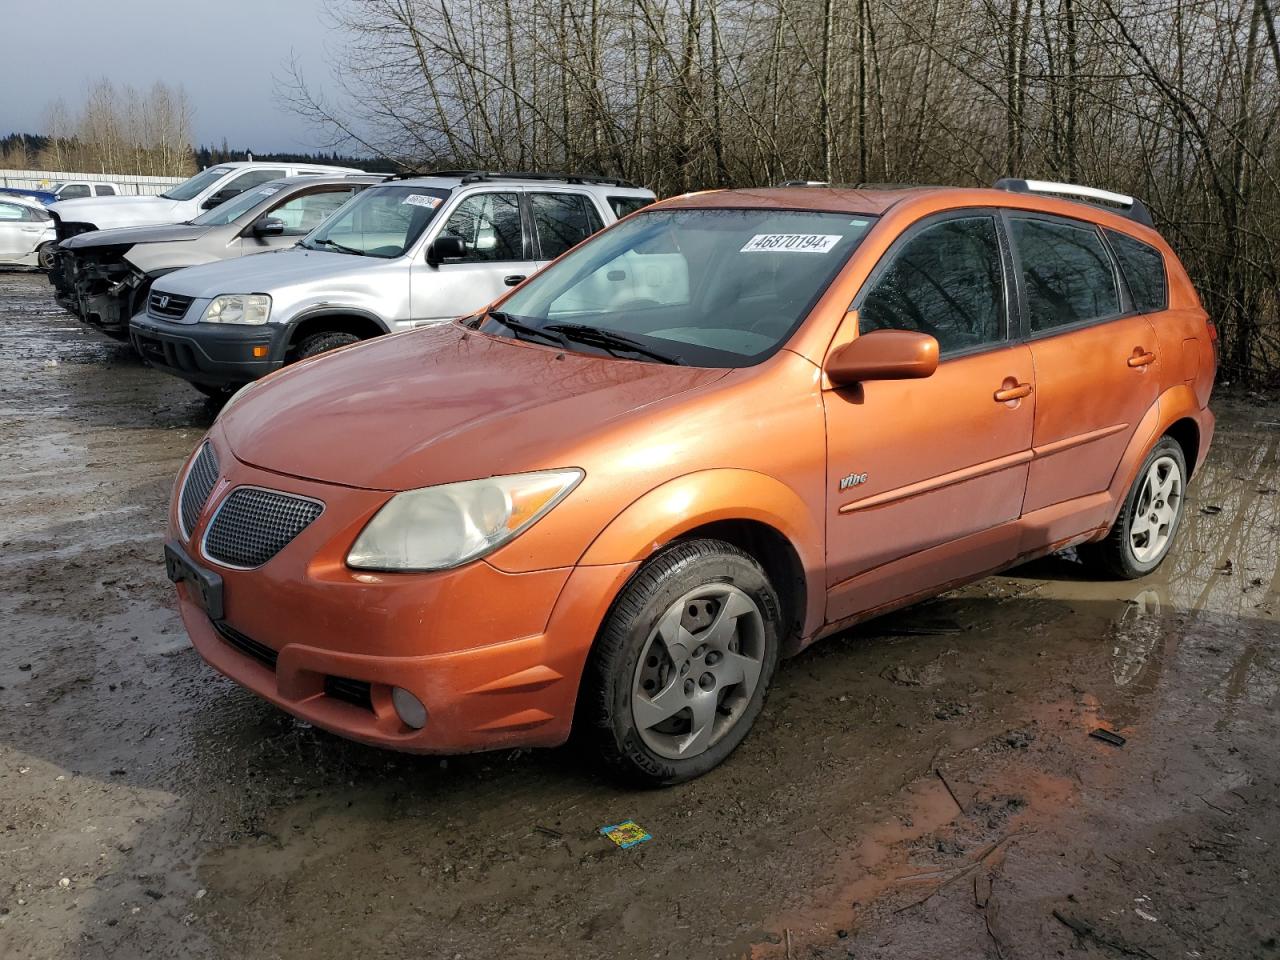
{"points": [[495, 657], [212, 354]]}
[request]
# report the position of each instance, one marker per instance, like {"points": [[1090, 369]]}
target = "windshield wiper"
{"points": [[338, 246], [611, 341], [519, 326]]}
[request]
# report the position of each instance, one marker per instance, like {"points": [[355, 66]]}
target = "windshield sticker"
{"points": [[791, 243], [420, 200], [268, 191]]}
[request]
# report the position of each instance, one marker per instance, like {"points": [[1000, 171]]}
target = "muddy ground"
{"points": [[923, 787]]}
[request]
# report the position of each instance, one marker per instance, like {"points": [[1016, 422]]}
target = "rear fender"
{"points": [[709, 496]]}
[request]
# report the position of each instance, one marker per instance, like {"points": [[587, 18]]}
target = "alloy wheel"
{"points": [[1156, 509]]}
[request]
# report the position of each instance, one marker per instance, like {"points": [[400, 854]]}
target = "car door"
{"points": [[1096, 361], [925, 476], [498, 254], [561, 219], [19, 231]]}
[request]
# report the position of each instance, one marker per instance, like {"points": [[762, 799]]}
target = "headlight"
{"points": [[239, 308], [437, 528]]}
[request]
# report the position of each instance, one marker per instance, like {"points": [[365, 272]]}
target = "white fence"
{"points": [[129, 183]]}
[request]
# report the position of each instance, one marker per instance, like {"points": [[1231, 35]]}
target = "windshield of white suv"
{"points": [[222, 215], [379, 222], [190, 188], [712, 288]]}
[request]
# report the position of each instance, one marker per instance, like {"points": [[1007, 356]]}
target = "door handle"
{"points": [[514, 279], [1141, 358], [1015, 392]]}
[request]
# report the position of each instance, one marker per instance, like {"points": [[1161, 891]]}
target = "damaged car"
{"points": [[103, 277]]}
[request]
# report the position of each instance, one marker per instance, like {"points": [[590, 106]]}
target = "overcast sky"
{"points": [[225, 53]]}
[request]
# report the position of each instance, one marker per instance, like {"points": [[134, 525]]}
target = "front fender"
{"points": [[709, 496]]}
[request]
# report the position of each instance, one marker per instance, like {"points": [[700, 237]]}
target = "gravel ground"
{"points": [[923, 786]]}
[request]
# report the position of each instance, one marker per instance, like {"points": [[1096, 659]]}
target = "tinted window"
{"points": [[562, 221], [1066, 273], [106, 190], [1143, 269], [489, 225], [946, 281], [716, 288], [74, 191], [625, 205], [190, 188]]}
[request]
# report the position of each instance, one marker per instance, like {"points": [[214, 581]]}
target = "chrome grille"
{"points": [[197, 487], [167, 306], [252, 525]]}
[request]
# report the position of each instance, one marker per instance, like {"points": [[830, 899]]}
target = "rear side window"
{"points": [[1066, 273], [626, 205], [1143, 268], [106, 190], [562, 221], [247, 181], [947, 281]]}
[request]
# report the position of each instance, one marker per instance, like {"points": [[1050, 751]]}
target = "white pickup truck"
{"points": [[209, 188]]}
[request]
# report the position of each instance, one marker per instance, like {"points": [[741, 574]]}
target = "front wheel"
{"points": [[683, 663], [1144, 531], [323, 342], [46, 254]]}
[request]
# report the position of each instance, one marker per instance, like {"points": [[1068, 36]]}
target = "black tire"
{"points": [[1114, 555], [220, 394], [322, 342], [614, 666], [45, 254]]}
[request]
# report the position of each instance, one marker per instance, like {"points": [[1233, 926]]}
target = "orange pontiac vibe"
{"points": [[732, 424]]}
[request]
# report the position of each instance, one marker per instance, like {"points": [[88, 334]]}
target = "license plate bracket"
{"points": [[205, 586]]}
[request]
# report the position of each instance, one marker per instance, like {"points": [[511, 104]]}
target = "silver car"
{"points": [[402, 254], [103, 277]]}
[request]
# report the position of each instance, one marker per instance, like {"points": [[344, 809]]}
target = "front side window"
{"points": [[946, 280], [197, 184], [249, 180], [1066, 273], [303, 214], [715, 288], [489, 227], [382, 221], [74, 191], [1143, 269], [562, 221]]}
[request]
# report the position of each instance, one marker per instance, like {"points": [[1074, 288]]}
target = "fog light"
{"points": [[409, 707]]}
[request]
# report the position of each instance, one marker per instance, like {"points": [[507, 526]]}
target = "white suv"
{"points": [[209, 188], [401, 254]]}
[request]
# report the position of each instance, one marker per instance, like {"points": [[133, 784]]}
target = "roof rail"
{"points": [[1130, 207], [478, 176], [805, 183]]}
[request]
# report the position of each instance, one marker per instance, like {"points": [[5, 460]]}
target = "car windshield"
{"points": [[231, 210], [379, 222], [190, 188], [715, 288]]}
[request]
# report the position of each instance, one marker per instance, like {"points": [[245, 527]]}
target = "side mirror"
{"points": [[218, 199], [883, 355], [268, 227], [446, 248]]}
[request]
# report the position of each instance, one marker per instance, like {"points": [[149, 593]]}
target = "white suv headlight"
{"points": [[437, 528], [238, 308]]}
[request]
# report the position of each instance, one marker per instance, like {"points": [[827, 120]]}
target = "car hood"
{"points": [[438, 405], [264, 272], [105, 212], [128, 236]]}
